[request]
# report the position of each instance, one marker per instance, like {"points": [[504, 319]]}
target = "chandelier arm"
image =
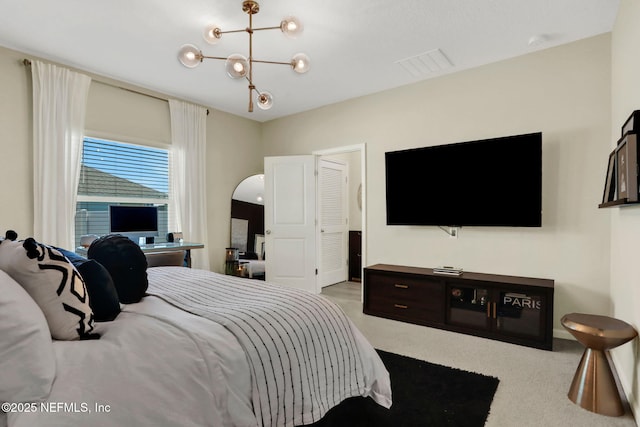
{"points": [[266, 28], [213, 57], [252, 86], [244, 30], [272, 62], [251, 89]]}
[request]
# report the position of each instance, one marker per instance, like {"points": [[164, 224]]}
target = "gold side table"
{"points": [[594, 386]]}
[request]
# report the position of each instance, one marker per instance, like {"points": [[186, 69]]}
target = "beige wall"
{"points": [[234, 152], [16, 154], [625, 224], [233, 146], [563, 92]]}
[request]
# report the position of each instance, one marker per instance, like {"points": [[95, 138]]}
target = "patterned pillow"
{"points": [[53, 283]]}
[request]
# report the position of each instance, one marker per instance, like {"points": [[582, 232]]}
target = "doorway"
{"points": [[291, 222], [333, 219], [355, 156]]}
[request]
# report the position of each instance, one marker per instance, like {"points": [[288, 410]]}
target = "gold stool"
{"points": [[593, 386]]}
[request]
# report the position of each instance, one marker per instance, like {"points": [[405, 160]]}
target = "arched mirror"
{"points": [[247, 225]]}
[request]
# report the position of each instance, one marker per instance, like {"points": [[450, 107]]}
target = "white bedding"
{"points": [[157, 365]]}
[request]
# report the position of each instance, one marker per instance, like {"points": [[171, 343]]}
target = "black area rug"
{"points": [[424, 395]]}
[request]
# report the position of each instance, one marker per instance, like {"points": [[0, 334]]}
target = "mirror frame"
{"points": [[253, 213]]}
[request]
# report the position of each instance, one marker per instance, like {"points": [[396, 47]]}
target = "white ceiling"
{"points": [[354, 46]]}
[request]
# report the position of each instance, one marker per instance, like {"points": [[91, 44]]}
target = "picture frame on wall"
{"points": [[610, 184], [632, 124], [621, 162], [627, 168]]}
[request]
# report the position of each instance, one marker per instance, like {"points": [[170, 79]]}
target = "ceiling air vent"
{"points": [[425, 63]]}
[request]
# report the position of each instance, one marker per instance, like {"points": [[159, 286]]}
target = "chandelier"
{"points": [[238, 66]]}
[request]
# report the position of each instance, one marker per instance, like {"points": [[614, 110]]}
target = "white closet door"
{"points": [[333, 221], [290, 226]]}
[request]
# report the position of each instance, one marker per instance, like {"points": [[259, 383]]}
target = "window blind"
{"points": [[119, 173]]}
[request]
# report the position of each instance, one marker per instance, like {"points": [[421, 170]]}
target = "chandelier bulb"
{"points": [[300, 63], [212, 34], [190, 56], [291, 27], [236, 66], [264, 100]]}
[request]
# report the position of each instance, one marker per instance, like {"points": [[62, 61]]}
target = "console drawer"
{"points": [[404, 310], [404, 297]]}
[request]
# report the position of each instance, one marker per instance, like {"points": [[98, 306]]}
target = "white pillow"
{"points": [[53, 283], [27, 361]]}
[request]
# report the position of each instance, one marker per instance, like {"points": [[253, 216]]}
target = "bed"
{"points": [[205, 349]]}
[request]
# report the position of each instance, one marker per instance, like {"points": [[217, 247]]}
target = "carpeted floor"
{"points": [[424, 394]]}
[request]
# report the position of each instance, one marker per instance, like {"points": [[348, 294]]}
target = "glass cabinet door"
{"points": [[469, 306], [520, 313]]}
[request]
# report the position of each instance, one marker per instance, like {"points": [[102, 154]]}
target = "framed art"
{"points": [[610, 184], [632, 125], [621, 162], [627, 168], [239, 233]]}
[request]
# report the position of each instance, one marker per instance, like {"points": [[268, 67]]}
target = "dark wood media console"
{"points": [[514, 309]]}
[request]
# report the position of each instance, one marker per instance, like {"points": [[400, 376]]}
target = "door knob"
{"points": [[268, 231]]}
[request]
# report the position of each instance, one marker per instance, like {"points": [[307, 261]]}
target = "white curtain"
{"points": [[188, 207], [59, 106]]}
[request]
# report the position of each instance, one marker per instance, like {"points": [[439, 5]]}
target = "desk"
{"points": [[161, 248]]}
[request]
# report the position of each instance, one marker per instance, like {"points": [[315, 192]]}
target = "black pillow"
{"points": [[103, 297], [125, 262]]}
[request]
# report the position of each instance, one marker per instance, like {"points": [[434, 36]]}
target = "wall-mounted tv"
{"points": [[133, 221], [491, 182]]}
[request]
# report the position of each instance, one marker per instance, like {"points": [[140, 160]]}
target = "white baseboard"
{"points": [[626, 387]]}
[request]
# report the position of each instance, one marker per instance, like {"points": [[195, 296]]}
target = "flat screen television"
{"points": [[133, 221], [491, 182]]}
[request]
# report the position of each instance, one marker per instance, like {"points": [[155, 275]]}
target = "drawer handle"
{"points": [[400, 306], [398, 285]]}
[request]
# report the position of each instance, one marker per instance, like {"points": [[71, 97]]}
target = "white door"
{"points": [[290, 221], [333, 222]]}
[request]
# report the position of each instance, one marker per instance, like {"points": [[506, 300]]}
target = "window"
{"points": [[124, 174]]}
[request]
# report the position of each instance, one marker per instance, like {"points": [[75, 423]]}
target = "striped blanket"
{"points": [[303, 355]]}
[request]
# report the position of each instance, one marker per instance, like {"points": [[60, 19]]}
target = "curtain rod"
{"points": [[27, 63]]}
